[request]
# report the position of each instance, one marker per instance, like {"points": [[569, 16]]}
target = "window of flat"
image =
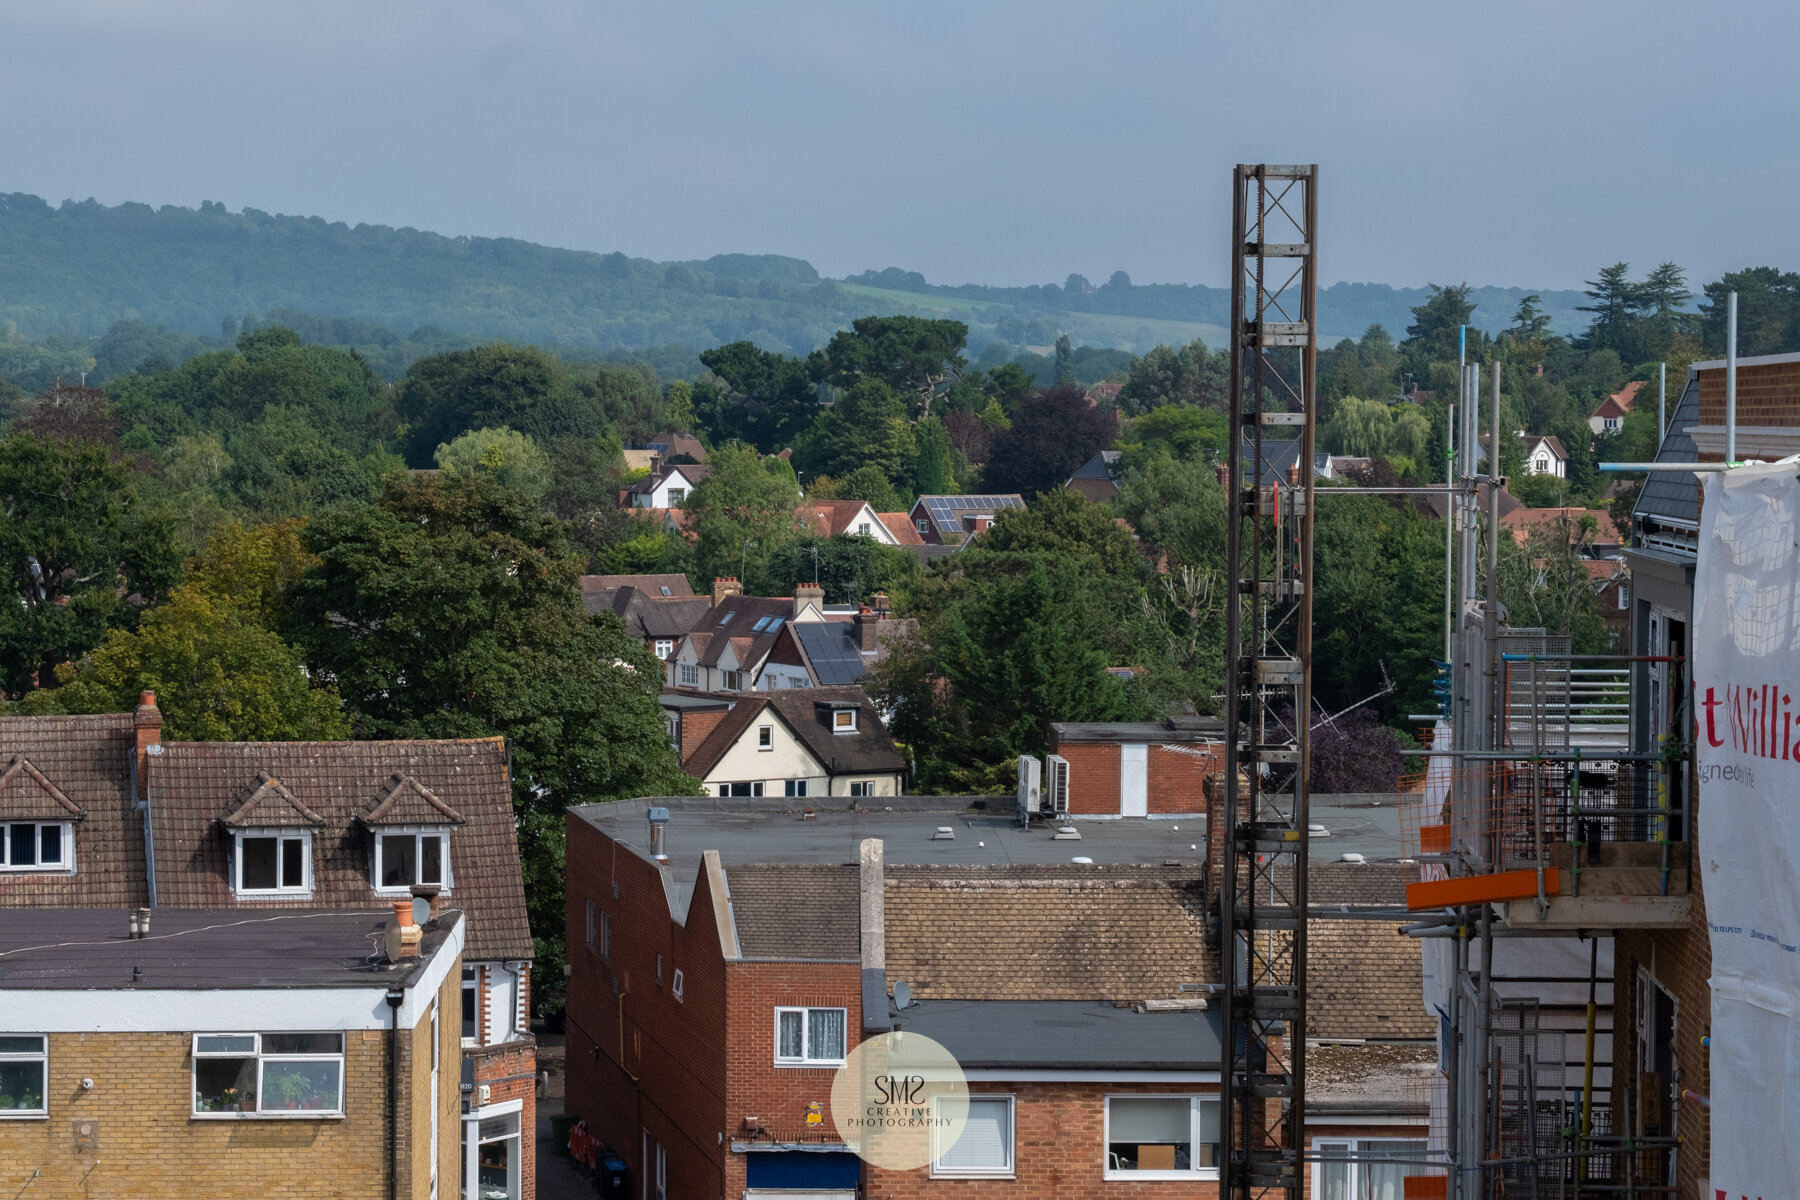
{"points": [[24, 1074], [795, 787], [406, 857], [268, 1075], [862, 787], [606, 935], [754, 788], [676, 496], [765, 737], [731, 681], [843, 720], [690, 675], [985, 1148], [1369, 1178], [37, 846], [470, 1005], [922, 525], [665, 646], [863, 528], [269, 862], [1162, 1137], [498, 1160], [809, 1037]]}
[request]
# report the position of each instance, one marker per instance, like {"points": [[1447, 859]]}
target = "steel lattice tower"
{"points": [[1268, 690]]}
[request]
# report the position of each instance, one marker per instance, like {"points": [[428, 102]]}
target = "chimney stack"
{"points": [[725, 585], [808, 593], [402, 938], [147, 720], [431, 893], [864, 623], [881, 604]]}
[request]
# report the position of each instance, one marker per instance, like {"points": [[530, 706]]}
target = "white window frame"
{"points": [[862, 787], [65, 847], [805, 1059], [678, 984], [731, 681], [417, 832], [765, 737], [922, 525], [676, 496], [1001, 1172], [472, 1141], [755, 786], [690, 674], [839, 725], [1195, 1100], [863, 529], [471, 991], [42, 1058], [303, 836], [257, 1053], [795, 788], [664, 648], [1353, 1148]]}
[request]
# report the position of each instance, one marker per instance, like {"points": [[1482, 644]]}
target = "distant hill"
{"points": [[80, 267]]}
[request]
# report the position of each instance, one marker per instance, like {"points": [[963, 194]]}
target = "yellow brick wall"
{"points": [[150, 1147]]}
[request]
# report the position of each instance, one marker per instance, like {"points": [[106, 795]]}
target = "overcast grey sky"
{"points": [[1513, 144]]}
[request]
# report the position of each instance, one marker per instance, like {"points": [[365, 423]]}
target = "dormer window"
{"points": [[37, 846], [843, 720], [676, 496], [270, 862], [404, 857]]}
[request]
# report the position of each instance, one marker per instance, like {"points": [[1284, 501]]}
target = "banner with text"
{"points": [[1746, 686]]}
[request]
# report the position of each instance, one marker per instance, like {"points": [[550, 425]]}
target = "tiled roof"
{"points": [[194, 787], [692, 472], [1548, 439], [26, 795], [1568, 520], [900, 526], [797, 911], [266, 804], [822, 518], [1364, 980], [870, 748], [1070, 932], [87, 760], [647, 613], [677, 585], [737, 617]]}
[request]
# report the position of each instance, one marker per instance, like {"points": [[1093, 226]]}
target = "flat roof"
{"points": [[89, 948], [1065, 1034], [1183, 729], [773, 830]]}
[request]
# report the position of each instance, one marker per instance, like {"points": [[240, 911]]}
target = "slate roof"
{"points": [[797, 912], [735, 619], [1673, 497], [1069, 932], [947, 512], [1048, 1035], [870, 748], [205, 948], [196, 787], [647, 613], [1279, 455], [676, 585], [88, 761], [1364, 980]]}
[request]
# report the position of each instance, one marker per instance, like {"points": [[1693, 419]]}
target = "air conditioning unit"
{"points": [[1031, 787], [1056, 782]]}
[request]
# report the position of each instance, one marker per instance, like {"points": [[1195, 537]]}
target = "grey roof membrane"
{"points": [[1674, 495], [65, 948], [832, 649], [1067, 1034]]}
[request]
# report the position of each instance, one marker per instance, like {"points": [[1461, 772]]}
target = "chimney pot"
{"points": [[724, 586], [808, 594]]}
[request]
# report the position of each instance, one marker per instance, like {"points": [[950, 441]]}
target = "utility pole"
{"points": [[1268, 659]]}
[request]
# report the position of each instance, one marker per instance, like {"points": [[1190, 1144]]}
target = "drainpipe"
{"points": [[1731, 378], [395, 998]]}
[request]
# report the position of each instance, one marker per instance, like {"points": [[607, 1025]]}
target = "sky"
{"points": [[1519, 144]]}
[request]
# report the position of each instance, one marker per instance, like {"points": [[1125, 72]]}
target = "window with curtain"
{"points": [[986, 1144], [808, 1036], [1368, 1177], [1157, 1137]]}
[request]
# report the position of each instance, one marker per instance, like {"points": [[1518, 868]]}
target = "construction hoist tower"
{"points": [[1268, 691]]}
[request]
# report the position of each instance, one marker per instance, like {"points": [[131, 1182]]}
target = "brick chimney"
{"points": [[147, 720], [725, 585], [865, 623], [879, 602], [403, 935], [809, 593]]}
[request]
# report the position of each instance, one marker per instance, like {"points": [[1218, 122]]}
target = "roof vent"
{"points": [[1082, 860], [1066, 833], [944, 834], [659, 817], [1317, 831], [1352, 858]]}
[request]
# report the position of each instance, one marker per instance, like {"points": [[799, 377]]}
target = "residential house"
{"points": [[825, 518], [900, 527], [834, 651], [119, 818], [953, 520], [1611, 414], [1097, 478], [1279, 461], [1544, 455], [1133, 768], [669, 444], [1070, 977], [1338, 466], [666, 486], [658, 610], [189, 1052], [727, 647], [1433, 500], [820, 741]]}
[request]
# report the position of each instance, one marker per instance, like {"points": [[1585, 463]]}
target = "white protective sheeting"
{"points": [[1747, 696]]}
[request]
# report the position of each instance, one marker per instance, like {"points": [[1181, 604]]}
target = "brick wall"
{"points": [[1766, 395], [149, 1143], [509, 1071], [1178, 780], [638, 1059], [1058, 1150], [1093, 776]]}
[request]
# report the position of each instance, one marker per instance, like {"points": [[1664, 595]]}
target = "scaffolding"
{"points": [[1268, 656]]}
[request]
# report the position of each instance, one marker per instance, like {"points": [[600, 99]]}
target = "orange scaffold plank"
{"points": [[1478, 889]]}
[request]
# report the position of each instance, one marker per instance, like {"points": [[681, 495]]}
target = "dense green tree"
{"points": [[497, 385], [1164, 376], [849, 567], [870, 484], [739, 515], [508, 457], [867, 426], [1768, 311], [915, 356], [1065, 361], [1068, 527], [1173, 429], [932, 470], [1051, 436], [79, 551], [771, 399]]}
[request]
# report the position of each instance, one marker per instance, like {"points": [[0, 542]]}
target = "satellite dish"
{"points": [[902, 993]]}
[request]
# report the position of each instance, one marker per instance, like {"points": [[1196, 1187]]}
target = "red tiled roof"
{"points": [[823, 518], [901, 527], [87, 760]]}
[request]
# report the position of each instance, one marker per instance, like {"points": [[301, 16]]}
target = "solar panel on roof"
{"points": [[831, 647]]}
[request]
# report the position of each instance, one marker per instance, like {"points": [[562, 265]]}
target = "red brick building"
{"points": [[1138, 768], [271, 826]]}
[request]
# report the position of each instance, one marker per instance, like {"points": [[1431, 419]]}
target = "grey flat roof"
{"points": [[1067, 1034], [771, 830], [1186, 729], [690, 700], [65, 948]]}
